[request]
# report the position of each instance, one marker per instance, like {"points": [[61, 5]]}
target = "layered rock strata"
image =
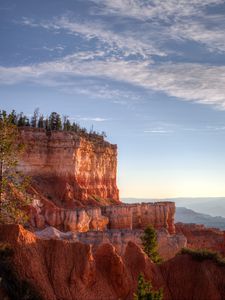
{"points": [[69, 169], [60, 269], [135, 216], [140, 215]]}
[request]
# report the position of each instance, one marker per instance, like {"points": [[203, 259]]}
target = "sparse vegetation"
{"points": [[97, 198], [53, 123], [204, 254], [13, 200], [12, 285], [149, 242], [145, 290]]}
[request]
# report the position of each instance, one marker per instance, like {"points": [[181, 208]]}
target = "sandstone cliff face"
{"points": [[69, 169], [201, 237], [61, 269], [125, 216], [140, 215]]}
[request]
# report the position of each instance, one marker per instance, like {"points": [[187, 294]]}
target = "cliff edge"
{"points": [[69, 169]]}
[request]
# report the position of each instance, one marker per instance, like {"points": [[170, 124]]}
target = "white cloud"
{"points": [[52, 49], [128, 43], [191, 82], [96, 119], [212, 38], [158, 131], [184, 19], [144, 10]]}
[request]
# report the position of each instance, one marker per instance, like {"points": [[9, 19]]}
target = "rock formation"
{"points": [[124, 216], [61, 269], [69, 169], [201, 237], [168, 244]]}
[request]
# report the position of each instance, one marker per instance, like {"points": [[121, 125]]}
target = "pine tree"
{"points": [[12, 183], [21, 120], [41, 122], [34, 119], [55, 122], [145, 291], [149, 242], [13, 117], [66, 124]]}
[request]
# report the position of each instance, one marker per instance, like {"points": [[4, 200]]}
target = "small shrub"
{"points": [[145, 291], [204, 254]]}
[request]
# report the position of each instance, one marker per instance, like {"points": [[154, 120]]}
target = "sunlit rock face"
{"points": [[140, 215], [201, 237], [124, 216], [70, 170]]}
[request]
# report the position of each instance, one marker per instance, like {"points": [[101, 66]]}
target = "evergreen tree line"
{"points": [[53, 122]]}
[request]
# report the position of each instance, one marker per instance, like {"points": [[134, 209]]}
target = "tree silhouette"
{"points": [[149, 242]]}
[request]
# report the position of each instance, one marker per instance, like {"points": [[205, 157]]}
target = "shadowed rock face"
{"points": [[61, 269], [70, 170]]}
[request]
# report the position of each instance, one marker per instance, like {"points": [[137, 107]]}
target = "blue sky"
{"points": [[149, 73]]}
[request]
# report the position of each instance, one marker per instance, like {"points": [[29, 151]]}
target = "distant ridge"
{"points": [[213, 206], [186, 215]]}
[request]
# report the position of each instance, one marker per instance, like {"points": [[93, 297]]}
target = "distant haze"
{"points": [[210, 206]]}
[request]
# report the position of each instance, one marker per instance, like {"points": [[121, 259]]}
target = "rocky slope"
{"points": [[61, 269], [201, 237], [168, 244], [69, 169]]}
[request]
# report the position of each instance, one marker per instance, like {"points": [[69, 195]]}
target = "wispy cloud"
{"points": [[98, 90], [145, 10], [182, 129], [191, 82], [158, 131], [111, 57], [120, 43], [58, 48], [212, 38], [184, 20], [96, 119]]}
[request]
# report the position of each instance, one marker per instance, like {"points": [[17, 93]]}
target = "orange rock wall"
{"points": [[69, 168], [201, 237], [140, 215], [61, 269], [124, 216]]}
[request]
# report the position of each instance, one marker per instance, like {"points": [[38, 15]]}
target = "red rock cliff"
{"points": [[69, 169], [201, 237], [123, 216]]}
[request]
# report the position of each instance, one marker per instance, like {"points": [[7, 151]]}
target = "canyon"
{"points": [[201, 237], [84, 243], [61, 269]]}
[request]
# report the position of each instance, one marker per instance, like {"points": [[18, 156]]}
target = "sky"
{"points": [[151, 74]]}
